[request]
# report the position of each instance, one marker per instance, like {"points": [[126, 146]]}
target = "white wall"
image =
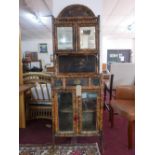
{"points": [[116, 43], [33, 45]]}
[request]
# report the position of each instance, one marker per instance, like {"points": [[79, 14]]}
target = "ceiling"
{"points": [[35, 21]]}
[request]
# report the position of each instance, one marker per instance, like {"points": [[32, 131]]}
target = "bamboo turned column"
{"points": [[22, 123]]}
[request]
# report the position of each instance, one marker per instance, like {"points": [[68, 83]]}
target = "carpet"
{"points": [[65, 149]]}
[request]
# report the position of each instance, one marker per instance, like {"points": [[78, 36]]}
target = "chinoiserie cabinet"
{"points": [[77, 87]]}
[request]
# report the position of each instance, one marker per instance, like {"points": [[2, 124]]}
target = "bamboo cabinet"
{"points": [[77, 88]]}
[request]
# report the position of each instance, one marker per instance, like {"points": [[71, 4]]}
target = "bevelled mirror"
{"points": [[87, 38], [65, 38]]}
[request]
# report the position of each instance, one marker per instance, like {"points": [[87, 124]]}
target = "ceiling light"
{"points": [[44, 20], [131, 27], [32, 18], [38, 20], [63, 40]]}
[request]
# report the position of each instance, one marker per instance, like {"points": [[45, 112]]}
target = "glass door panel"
{"points": [[89, 107], [87, 38], [65, 38], [65, 111]]}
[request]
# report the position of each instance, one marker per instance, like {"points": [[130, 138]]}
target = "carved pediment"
{"points": [[76, 11]]}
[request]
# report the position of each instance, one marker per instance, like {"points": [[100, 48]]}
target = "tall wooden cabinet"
{"points": [[77, 86]]}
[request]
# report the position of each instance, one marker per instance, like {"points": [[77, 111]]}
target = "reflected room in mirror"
{"points": [[87, 38], [65, 38]]}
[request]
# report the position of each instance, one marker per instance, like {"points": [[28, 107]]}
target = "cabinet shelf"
{"points": [[88, 111], [66, 110]]}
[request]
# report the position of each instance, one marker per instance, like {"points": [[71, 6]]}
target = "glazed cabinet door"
{"points": [[65, 113], [87, 37], [88, 112], [65, 38]]}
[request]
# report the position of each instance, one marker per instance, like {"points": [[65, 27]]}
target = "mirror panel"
{"points": [[87, 38], [65, 38]]}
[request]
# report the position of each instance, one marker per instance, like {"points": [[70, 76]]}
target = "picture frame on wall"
{"points": [[43, 48]]}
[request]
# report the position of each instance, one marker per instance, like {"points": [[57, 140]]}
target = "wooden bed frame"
{"points": [[39, 103]]}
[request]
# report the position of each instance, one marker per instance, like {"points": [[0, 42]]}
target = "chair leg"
{"points": [[106, 104], [53, 134], [130, 137], [111, 116]]}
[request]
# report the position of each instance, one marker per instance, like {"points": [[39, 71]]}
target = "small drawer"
{"points": [[58, 83], [95, 81], [77, 81]]}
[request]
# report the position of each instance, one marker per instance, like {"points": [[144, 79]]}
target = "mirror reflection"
{"points": [[87, 38], [65, 38]]}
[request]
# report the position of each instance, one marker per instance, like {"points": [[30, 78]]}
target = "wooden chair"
{"points": [[124, 105], [39, 97], [120, 74]]}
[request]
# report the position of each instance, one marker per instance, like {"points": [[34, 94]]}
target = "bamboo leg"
{"points": [[101, 142], [22, 119], [53, 136]]}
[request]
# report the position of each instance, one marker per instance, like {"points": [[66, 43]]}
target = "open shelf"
{"points": [[66, 110], [89, 110]]}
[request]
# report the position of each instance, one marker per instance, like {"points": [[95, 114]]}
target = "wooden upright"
{"points": [[22, 123]]}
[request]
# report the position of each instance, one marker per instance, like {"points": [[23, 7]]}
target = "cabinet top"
{"points": [[76, 11]]}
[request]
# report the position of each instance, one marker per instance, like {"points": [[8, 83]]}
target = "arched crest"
{"points": [[76, 11]]}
